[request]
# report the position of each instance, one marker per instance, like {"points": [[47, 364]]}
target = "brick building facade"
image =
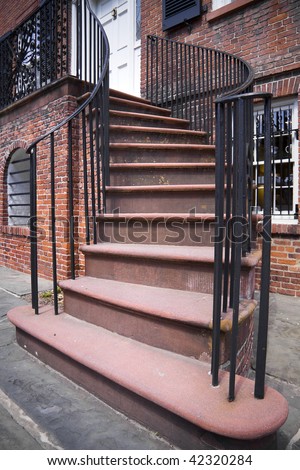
{"points": [[264, 33]]}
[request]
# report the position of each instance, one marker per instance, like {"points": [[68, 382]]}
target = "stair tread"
{"points": [[163, 130], [180, 253], [161, 188], [157, 215], [121, 94], [139, 104], [179, 384], [132, 145], [151, 165], [193, 308], [152, 117]]}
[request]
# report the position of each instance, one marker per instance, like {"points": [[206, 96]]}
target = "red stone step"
{"points": [[161, 173], [154, 152], [177, 267], [161, 198], [129, 104], [174, 320], [125, 133], [164, 391], [157, 228], [126, 96], [127, 117]]}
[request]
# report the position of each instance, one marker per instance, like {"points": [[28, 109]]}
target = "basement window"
{"points": [[18, 188], [176, 12]]}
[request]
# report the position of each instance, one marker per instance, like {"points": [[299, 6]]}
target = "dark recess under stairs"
{"points": [[136, 329]]}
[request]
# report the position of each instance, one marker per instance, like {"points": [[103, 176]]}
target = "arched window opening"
{"points": [[18, 188]]}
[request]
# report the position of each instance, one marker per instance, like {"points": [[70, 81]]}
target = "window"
{"points": [[220, 3], [138, 20], [18, 188], [176, 12], [284, 153]]}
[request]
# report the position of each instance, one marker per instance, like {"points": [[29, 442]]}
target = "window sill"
{"points": [[17, 231], [228, 9]]}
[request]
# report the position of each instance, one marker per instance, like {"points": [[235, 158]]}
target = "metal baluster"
{"points": [[147, 67], [261, 351], [219, 204], [92, 166], [85, 179], [71, 202], [33, 232], [238, 221], [228, 204], [53, 223]]}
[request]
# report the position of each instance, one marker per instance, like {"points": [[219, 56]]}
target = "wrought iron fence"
{"points": [[36, 53], [234, 158], [187, 79]]}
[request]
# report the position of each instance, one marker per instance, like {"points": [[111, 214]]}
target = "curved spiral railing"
{"points": [[187, 79], [84, 136], [213, 90]]}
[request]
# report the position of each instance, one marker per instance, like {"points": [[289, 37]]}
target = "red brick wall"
{"points": [[19, 133], [13, 13], [265, 33], [285, 260]]}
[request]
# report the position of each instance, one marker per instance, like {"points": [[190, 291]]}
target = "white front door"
{"points": [[120, 19]]}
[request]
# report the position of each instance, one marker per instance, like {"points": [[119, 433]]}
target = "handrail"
{"points": [[233, 239], [87, 141], [92, 95], [188, 78]]}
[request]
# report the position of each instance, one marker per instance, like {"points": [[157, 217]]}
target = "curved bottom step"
{"points": [[167, 392]]}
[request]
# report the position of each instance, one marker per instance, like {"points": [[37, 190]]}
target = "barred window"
{"points": [[284, 154], [18, 188]]}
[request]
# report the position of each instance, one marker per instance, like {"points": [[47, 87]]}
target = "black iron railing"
{"points": [[36, 53], [85, 134], [187, 79], [234, 161]]}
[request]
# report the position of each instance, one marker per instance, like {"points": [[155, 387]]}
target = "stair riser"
{"points": [[177, 430], [189, 276], [117, 136], [130, 155], [136, 121], [172, 336], [162, 201], [159, 231], [134, 177], [160, 333]]}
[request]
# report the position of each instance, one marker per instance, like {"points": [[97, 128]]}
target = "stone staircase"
{"points": [[136, 329]]}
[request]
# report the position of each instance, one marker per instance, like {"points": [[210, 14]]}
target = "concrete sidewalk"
{"points": [[40, 409]]}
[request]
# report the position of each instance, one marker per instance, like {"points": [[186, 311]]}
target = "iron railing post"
{"points": [[33, 232], [261, 353], [53, 223], [219, 231]]}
